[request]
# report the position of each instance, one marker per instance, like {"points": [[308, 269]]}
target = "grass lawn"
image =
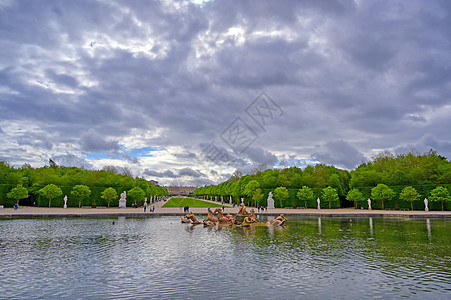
{"points": [[177, 202]]}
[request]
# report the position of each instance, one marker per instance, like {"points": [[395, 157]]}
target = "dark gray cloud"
{"points": [[352, 77], [339, 153], [92, 141], [71, 160], [165, 174]]}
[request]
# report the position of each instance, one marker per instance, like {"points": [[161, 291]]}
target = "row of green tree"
{"points": [[83, 187], [342, 188]]}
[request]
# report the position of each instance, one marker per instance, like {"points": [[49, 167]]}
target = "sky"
{"points": [[187, 92]]}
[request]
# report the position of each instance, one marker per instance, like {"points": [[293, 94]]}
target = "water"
{"points": [[311, 258]]}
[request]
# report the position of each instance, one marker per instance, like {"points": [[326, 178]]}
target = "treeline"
{"points": [[28, 185], [295, 187]]}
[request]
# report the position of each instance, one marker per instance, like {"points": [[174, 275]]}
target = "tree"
{"points": [[257, 196], [440, 194], [109, 194], [17, 193], [305, 194], [250, 187], [110, 169], [80, 192], [236, 176], [51, 191], [355, 195], [381, 192], [329, 195], [335, 182], [137, 194], [409, 194], [281, 193]]}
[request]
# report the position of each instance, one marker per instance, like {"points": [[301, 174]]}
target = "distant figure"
{"points": [[319, 203], [426, 208], [223, 208], [145, 206], [369, 204], [153, 208]]}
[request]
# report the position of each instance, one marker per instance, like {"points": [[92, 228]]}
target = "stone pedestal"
{"points": [[122, 203], [270, 201]]}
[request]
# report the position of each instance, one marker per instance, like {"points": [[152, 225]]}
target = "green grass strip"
{"points": [[177, 202]]}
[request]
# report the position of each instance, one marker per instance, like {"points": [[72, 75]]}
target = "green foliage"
{"points": [[403, 169], [440, 194], [305, 194], [355, 196], [17, 193], [81, 192], [137, 195], [281, 193], [329, 195], [409, 194], [109, 194], [382, 193], [177, 202], [250, 187], [51, 191], [257, 196]]}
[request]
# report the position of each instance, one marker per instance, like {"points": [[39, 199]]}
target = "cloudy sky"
{"points": [[185, 92]]}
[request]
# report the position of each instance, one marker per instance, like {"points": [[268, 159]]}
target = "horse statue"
{"points": [[192, 218], [222, 218], [185, 219], [279, 221], [211, 217]]}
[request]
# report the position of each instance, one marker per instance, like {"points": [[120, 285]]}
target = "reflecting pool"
{"points": [[158, 257]]}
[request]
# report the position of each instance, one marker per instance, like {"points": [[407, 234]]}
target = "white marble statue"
{"points": [[369, 204], [230, 200], [318, 202], [270, 201], [426, 202], [123, 200], [65, 202]]}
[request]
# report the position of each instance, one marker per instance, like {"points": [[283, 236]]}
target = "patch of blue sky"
{"points": [[292, 162], [97, 156], [142, 152], [138, 152]]}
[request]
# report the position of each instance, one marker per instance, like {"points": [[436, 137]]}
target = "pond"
{"points": [[158, 257]]}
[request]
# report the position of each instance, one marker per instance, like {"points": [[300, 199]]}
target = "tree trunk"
{"points": [[50, 201], [411, 205], [442, 206], [329, 205], [108, 204], [305, 203], [382, 204]]}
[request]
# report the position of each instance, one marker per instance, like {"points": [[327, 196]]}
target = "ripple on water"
{"points": [[159, 257]]}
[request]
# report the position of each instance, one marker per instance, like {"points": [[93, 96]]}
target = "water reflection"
{"points": [[319, 225], [371, 227], [160, 257]]}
